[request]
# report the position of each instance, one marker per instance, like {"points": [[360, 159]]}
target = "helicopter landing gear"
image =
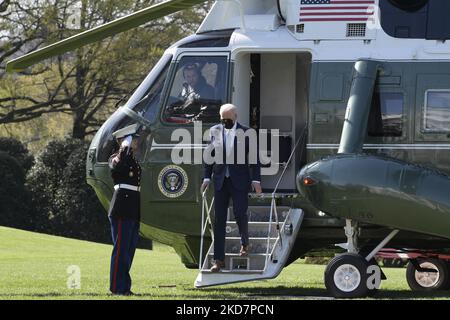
{"points": [[346, 276], [427, 275], [352, 275], [352, 232]]}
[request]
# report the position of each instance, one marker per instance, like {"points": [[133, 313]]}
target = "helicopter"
{"points": [[357, 96]]}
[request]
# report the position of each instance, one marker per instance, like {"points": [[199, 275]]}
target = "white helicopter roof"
{"points": [[332, 30]]}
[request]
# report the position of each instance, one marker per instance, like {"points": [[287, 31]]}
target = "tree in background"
{"points": [[15, 200], [88, 83], [63, 203], [85, 86], [17, 150]]}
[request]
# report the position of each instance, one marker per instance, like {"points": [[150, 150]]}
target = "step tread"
{"points": [[238, 255], [267, 195], [251, 238], [263, 223], [233, 271], [267, 207]]}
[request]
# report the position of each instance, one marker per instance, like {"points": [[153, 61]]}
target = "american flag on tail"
{"points": [[337, 10]]}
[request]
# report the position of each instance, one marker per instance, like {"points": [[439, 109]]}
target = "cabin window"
{"points": [[437, 110], [199, 89], [386, 115]]}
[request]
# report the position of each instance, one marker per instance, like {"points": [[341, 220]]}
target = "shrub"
{"points": [[15, 200], [63, 202], [17, 150]]}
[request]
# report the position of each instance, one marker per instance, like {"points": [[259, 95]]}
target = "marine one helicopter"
{"points": [[357, 94]]}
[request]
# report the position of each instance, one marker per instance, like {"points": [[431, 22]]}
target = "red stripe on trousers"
{"points": [[118, 243]]}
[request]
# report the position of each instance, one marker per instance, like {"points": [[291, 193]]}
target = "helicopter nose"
{"points": [[313, 174], [92, 155], [91, 158], [97, 173]]}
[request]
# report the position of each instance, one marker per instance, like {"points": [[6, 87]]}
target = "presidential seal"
{"points": [[173, 181]]}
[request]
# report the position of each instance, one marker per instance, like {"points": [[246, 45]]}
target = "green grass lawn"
{"points": [[34, 266]]}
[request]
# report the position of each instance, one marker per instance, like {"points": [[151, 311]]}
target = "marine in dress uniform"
{"points": [[124, 212]]}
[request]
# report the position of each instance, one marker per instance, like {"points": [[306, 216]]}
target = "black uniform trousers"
{"points": [[125, 235], [240, 206], [124, 216]]}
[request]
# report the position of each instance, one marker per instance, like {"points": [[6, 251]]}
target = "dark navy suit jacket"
{"points": [[241, 174]]}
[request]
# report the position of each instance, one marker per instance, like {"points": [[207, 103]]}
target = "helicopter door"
{"points": [[276, 91], [196, 89]]}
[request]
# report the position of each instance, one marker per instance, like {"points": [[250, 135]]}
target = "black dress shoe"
{"points": [[128, 293], [217, 266], [244, 251]]}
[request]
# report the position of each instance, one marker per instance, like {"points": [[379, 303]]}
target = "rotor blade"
{"points": [[101, 32]]}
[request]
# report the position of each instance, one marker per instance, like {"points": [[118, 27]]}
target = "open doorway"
{"points": [[271, 90]]}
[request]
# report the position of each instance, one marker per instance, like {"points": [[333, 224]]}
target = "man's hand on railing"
{"points": [[204, 186], [257, 187]]}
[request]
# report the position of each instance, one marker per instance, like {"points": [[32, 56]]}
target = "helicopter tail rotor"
{"points": [[101, 32]]}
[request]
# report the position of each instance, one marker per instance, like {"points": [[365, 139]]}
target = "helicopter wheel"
{"points": [[346, 276], [428, 281]]}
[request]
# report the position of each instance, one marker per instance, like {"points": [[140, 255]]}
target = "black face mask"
{"points": [[227, 123]]}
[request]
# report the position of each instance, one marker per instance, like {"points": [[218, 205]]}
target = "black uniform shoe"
{"points": [[129, 293]]}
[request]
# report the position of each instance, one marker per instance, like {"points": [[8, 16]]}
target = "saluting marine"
{"points": [[124, 212]]}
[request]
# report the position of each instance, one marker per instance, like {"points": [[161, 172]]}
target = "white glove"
{"points": [[127, 142]]}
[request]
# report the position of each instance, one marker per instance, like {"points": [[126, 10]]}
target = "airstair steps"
{"points": [[235, 262], [255, 229], [260, 263], [257, 245], [261, 214]]}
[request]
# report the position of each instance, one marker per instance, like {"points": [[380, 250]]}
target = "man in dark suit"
{"points": [[124, 212], [233, 178]]}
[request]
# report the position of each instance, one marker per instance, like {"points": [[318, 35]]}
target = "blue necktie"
{"points": [[227, 171]]}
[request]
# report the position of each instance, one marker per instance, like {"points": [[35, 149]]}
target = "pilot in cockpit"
{"points": [[198, 91], [195, 86]]}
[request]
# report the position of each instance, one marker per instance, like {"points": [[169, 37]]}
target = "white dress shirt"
{"points": [[229, 135]]}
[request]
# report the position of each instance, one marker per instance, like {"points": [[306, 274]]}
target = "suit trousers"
{"points": [[221, 204], [125, 235]]}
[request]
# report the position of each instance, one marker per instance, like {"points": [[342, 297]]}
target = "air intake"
{"points": [[356, 30]]}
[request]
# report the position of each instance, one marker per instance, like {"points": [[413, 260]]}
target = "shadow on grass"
{"points": [[282, 292], [232, 293], [53, 295]]}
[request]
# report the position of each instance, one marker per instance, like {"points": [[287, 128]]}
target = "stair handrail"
{"points": [[204, 223], [273, 205]]}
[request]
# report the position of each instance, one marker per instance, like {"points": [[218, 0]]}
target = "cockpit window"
{"points": [[108, 144], [198, 90], [148, 105], [146, 101]]}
